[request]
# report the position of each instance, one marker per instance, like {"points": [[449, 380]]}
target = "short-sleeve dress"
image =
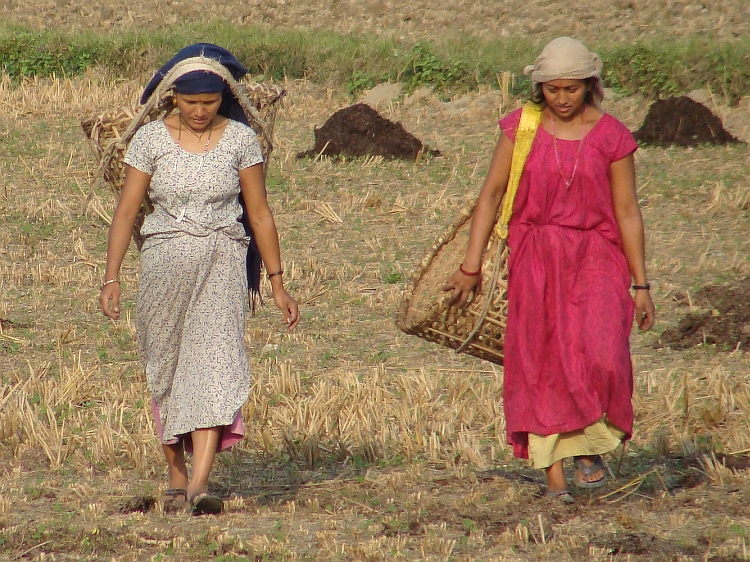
{"points": [[567, 356], [192, 291]]}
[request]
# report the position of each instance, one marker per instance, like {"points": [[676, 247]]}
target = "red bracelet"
{"points": [[469, 273]]}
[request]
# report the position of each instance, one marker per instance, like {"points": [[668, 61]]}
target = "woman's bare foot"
{"points": [[556, 477]]}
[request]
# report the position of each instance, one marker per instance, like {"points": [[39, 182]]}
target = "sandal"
{"points": [[171, 501], [203, 503], [564, 496], [587, 470]]}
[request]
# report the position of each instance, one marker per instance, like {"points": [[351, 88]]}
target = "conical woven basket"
{"points": [[110, 133], [479, 328]]}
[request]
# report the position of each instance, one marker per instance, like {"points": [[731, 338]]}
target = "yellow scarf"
{"points": [[531, 116]]}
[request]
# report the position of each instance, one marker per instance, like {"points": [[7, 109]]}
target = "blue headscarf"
{"points": [[202, 82]]}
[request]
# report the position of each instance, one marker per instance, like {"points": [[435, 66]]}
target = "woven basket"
{"points": [[479, 328], [110, 133]]}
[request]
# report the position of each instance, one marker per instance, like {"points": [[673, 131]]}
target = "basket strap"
{"points": [[182, 68], [531, 116]]}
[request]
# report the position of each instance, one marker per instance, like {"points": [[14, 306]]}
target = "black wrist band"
{"points": [[646, 287]]}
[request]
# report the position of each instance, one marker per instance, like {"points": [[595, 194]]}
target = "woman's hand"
{"points": [[462, 286], [645, 312], [288, 307], [109, 300]]}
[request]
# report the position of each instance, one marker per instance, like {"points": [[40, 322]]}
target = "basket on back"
{"points": [[479, 328], [110, 133]]}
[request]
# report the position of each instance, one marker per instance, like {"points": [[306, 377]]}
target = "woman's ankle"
{"points": [[556, 477]]}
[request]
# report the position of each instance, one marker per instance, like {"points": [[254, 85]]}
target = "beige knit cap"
{"points": [[564, 58]]}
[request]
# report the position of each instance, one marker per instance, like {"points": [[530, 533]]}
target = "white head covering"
{"points": [[569, 59]]}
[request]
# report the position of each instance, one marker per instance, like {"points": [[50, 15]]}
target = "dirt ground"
{"points": [[725, 321], [598, 21]]}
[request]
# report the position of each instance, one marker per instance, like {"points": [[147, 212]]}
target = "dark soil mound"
{"points": [[726, 324], [683, 122], [359, 130]]}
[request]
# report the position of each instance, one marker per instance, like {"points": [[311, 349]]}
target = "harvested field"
{"points": [[597, 21], [363, 443]]}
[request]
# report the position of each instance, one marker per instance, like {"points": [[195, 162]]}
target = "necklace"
{"points": [[196, 135], [189, 128], [186, 200], [568, 182]]}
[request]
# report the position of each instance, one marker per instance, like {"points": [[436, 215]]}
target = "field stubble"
{"points": [[596, 21], [363, 443]]}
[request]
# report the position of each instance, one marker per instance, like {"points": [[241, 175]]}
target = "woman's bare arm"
{"points": [[134, 190], [253, 185], [482, 222], [630, 224]]}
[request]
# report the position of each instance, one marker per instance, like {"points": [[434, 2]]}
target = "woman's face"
{"points": [[197, 111], [565, 98]]}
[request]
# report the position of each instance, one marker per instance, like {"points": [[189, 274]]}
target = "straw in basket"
{"points": [[478, 329], [110, 133]]}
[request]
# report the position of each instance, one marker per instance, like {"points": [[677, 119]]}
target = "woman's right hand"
{"points": [[461, 287], [109, 300]]}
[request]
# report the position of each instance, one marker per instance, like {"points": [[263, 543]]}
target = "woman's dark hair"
{"points": [[537, 95]]}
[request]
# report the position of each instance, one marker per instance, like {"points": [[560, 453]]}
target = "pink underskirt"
{"points": [[230, 434]]}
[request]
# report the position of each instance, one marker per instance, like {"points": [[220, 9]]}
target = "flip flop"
{"points": [[205, 504], [587, 470], [171, 501], [564, 496]]}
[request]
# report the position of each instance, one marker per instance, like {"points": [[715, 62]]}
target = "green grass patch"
{"points": [[357, 62]]}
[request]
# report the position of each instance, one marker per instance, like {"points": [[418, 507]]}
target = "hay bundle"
{"points": [[479, 328], [110, 132]]}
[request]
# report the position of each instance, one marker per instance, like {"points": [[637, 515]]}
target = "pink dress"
{"points": [[567, 356]]}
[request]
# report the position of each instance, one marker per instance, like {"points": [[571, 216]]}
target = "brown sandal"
{"points": [[203, 503], [584, 471], [171, 501], [563, 496]]}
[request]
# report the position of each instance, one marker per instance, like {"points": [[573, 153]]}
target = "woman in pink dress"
{"points": [[576, 250]]}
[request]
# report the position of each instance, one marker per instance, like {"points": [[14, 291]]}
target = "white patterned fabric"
{"points": [[192, 292]]}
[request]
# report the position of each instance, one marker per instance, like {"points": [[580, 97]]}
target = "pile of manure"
{"points": [[683, 122], [359, 130]]}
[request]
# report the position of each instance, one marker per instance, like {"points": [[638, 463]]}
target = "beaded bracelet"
{"points": [[109, 282], [469, 273], [275, 273]]}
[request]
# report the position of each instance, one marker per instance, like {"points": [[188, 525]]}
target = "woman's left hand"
{"points": [[288, 306], [645, 312]]}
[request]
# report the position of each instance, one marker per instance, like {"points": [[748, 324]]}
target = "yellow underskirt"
{"points": [[598, 438]]}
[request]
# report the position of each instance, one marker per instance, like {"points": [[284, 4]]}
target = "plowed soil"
{"points": [[724, 320], [597, 21]]}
